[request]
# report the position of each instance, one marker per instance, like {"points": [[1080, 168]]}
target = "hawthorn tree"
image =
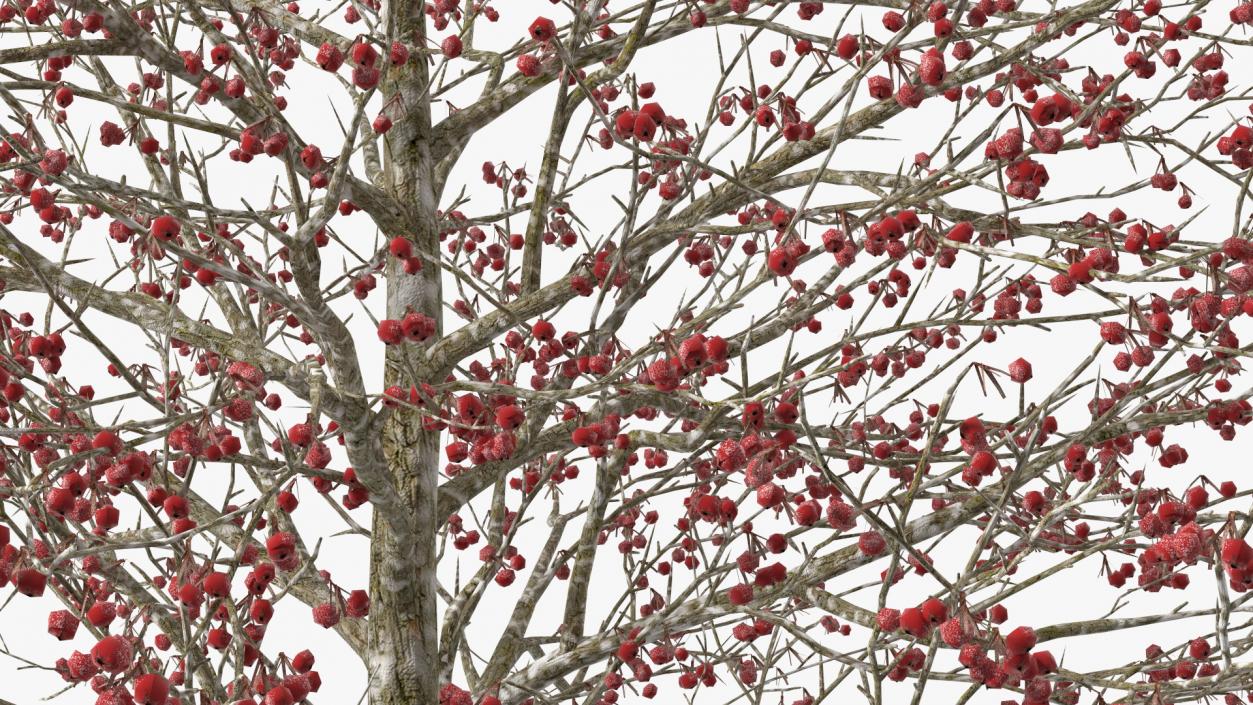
{"points": [[733, 349]]}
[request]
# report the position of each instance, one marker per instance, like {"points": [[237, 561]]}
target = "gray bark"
{"points": [[403, 632]]}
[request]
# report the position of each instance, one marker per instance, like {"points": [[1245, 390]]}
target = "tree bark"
{"points": [[403, 632]]}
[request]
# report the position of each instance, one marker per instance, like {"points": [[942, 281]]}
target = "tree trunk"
{"points": [[403, 633]]}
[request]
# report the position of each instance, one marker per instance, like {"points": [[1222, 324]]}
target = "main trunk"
{"points": [[403, 636], [403, 630]]}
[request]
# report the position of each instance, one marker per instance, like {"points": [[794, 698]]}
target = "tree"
{"points": [[773, 368]]}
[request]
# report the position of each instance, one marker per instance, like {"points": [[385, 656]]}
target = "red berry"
{"points": [[1021, 640], [151, 689], [542, 29], [871, 543], [781, 262], [280, 547], [914, 622], [1020, 371], [741, 594], [279, 695], [113, 654], [934, 610], [164, 228], [30, 582], [325, 614]]}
